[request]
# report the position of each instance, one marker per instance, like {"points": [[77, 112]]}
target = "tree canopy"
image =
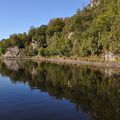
{"points": [[91, 31]]}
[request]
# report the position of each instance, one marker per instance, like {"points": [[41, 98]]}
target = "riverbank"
{"points": [[103, 64], [89, 63]]}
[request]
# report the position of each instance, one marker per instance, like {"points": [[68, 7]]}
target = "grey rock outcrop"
{"points": [[94, 3], [12, 52]]}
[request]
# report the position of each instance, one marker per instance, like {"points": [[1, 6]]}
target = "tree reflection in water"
{"points": [[95, 91]]}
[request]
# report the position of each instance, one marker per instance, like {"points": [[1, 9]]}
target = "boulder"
{"points": [[109, 56], [12, 52]]}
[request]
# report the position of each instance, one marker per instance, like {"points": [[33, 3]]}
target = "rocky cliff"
{"points": [[12, 52]]}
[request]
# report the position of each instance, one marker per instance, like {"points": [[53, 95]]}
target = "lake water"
{"points": [[46, 91]]}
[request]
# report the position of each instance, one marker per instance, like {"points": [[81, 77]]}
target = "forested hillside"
{"points": [[93, 31]]}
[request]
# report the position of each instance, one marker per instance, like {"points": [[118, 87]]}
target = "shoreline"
{"points": [[99, 64], [115, 65]]}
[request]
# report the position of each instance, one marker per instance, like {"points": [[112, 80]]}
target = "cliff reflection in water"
{"points": [[97, 92]]}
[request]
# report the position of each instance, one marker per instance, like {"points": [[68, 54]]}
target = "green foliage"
{"points": [[31, 32], [113, 42], [55, 25], [39, 35], [29, 51], [4, 44], [91, 31], [18, 40], [41, 52]]}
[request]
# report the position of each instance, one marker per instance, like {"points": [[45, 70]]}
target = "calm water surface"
{"points": [[44, 91]]}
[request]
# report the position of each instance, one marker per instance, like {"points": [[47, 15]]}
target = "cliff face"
{"points": [[12, 52], [17, 52]]}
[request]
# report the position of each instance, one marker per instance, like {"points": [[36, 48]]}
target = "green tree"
{"points": [[55, 25]]}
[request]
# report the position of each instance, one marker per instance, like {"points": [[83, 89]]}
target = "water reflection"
{"points": [[96, 92]]}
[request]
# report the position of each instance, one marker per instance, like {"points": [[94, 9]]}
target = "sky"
{"points": [[17, 16]]}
